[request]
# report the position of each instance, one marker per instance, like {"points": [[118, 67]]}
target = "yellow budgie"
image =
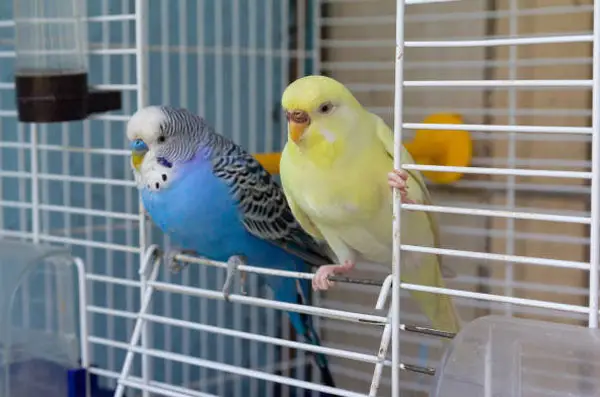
{"points": [[337, 170]]}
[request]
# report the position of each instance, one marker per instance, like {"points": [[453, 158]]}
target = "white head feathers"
{"points": [[145, 124]]}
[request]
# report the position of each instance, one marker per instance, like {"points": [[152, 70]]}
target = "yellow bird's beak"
{"points": [[298, 121], [138, 150], [136, 159]]}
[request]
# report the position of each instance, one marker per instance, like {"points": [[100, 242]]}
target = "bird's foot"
{"points": [[397, 179], [243, 283], [321, 282], [145, 214], [232, 269], [175, 265]]}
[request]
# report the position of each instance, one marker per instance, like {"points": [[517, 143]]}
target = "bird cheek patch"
{"points": [[158, 178], [164, 162], [328, 135]]}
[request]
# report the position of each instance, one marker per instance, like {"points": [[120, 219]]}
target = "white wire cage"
{"points": [[516, 229]]}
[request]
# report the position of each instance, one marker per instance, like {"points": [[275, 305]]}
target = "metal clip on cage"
{"points": [[51, 77]]}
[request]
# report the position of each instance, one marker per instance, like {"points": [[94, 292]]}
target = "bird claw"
{"points": [[321, 279], [232, 269], [243, 283], [175, 265], [397, 179]]}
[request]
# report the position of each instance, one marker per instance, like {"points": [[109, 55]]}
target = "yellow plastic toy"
{"points": [[452, 148], [430, 147]]}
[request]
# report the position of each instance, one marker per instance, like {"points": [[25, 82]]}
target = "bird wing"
{"points": [[264, 209], [387, 139]]}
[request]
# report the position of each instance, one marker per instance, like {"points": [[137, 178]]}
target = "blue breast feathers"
{"points": [[198, 212]]}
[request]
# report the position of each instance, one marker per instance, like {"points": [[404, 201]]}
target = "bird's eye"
{"points": [[161, 139], [326, 108]]}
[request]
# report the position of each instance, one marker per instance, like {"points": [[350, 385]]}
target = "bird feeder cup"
{"points": [[51, 76]]}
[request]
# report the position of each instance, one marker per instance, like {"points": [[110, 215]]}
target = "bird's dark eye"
{"points": [[326, 107], [161, 139]]}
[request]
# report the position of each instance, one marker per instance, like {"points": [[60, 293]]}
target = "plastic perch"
{"points": [[511, 357], [444, 147]]}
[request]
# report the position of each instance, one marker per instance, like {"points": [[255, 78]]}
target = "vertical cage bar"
{"points": [[35, 211], [239, 138], [396, 254], [201, 60], [253, 92], [184, 51], [512, 152], [285, 53], [129, 225], [253, 27], [167, 299], [23, 227], [203, 272], [219, 20], [300, 46], [300, 38], [108, 193], [254, 328], [168, 312], [316, 44], [487, 375], [66, 192], [2, 151], [236, 69], [22, 187], [316, 70], [87, 198], [35, 195], [595, 188], [284, 26], [269, 60], [140, 71], [45, 229], [84, 320], [181, 54], [66, 186]]}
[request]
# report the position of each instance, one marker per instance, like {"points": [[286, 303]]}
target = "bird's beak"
{"points": [[138, 151], [298, 121], [137, 157]]}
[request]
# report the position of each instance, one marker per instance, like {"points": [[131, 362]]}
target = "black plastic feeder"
{"points": [[51, 76]]}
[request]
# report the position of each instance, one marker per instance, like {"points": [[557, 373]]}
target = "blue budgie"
{"points": [[215, 200]]}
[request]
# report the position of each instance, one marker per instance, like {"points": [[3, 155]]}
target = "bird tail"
{"points": [[423, 358], [438, 308], [320, 359], [296, 291]]}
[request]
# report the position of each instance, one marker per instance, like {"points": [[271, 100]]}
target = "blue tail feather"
{"points": [[296, 291]]}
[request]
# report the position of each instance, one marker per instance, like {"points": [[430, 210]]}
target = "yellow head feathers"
{"points": [[307, 93], [318, 100]]}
